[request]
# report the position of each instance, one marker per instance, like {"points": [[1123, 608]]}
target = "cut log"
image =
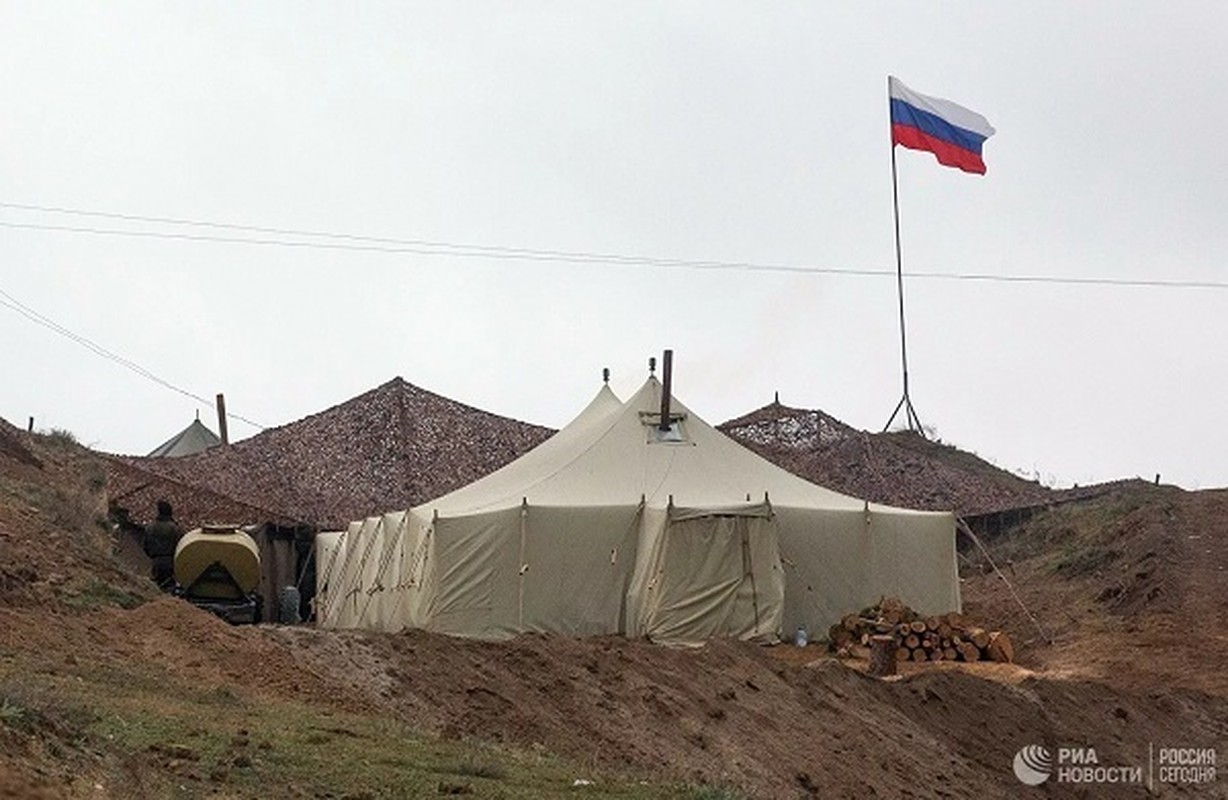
{"points": [[839, 637], [1000, 648], [892, 604], [892, 610], [913, 637], [882, 656]]}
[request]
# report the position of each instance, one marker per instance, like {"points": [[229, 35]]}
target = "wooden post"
{"points": [[882, 656], [221, 419], [30, 429]]}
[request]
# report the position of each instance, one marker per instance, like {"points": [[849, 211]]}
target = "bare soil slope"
{"points": [[1130, 587]]}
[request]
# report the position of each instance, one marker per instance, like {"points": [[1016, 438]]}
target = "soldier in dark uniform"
{"points": [[160, 540]]}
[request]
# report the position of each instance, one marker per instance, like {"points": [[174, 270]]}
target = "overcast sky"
{"points": [[753, 133]]}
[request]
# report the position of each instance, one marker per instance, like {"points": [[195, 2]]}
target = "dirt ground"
{"points": [[1129, 590]]}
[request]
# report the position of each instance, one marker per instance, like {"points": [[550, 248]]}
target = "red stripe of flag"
{"points": [[947, 153]]}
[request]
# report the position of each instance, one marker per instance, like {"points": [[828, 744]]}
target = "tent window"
{"points": [[674, 434], [671, 434]]}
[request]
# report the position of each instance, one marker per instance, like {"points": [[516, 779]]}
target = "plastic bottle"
{"points": [[800, 638]]}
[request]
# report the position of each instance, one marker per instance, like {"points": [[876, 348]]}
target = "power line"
{"points": [[321, 234], [8, 301], [444, 249], [359, 243]]}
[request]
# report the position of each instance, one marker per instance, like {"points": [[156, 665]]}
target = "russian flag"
{"points": [[949, 131]]}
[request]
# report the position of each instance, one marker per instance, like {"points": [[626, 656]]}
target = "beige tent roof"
{"points": [[195, 438], [611, 455]]}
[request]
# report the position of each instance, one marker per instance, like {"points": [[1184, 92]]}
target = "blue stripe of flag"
{"points": [[904, 114]]}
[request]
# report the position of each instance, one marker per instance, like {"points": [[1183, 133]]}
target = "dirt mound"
{"points": [[732, 713], [1129, 586], [12, 448], [16, 785], [55, 546], [187, 642]]}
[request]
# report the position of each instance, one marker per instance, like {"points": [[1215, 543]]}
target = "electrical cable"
{"points": [[358, 243], [9, 301]]}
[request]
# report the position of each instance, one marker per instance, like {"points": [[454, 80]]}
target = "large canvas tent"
{"points": [[195, 438], [618, 524]]}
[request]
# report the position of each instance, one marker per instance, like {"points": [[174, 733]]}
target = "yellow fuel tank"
{"points": [[217, 562]]}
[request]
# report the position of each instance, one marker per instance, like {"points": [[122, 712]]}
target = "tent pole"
{"points": [[910, 415], [523, 567]]}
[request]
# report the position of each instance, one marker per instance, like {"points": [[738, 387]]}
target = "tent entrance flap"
{"points": [[718, 575]]}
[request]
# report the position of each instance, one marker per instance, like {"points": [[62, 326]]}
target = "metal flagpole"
{"points": [[905, 404]]}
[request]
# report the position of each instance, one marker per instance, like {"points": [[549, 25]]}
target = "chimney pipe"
{"points": [[667, 373], [221, 419]]}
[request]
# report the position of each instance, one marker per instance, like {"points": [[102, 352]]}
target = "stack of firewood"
{"points": [[946, 637]]}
